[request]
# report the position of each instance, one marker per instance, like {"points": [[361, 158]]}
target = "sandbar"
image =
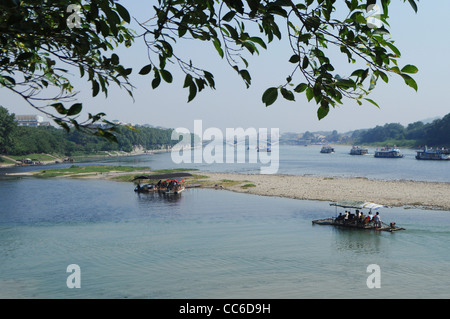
{"points": [[433, 195]]}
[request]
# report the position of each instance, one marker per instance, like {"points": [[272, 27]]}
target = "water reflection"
{"points": [[357, 241], [152, 197]]}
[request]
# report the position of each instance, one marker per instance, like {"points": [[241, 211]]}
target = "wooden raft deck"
{"points": [[331, 221]]}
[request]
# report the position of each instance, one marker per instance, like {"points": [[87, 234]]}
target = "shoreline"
{"points": [[398, 193]]}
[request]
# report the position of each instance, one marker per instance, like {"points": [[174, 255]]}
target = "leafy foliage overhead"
{"points": [[43, 41], [314, 29]]}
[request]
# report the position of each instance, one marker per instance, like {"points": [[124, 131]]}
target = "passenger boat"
{"points": [[357, 150], [327, 149], [351, 220], [388, 152], [169, 186], [173, 186], [433, 154]]}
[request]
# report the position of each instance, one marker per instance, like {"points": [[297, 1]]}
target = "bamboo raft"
{"points": [[333, 222], [355, 223]]}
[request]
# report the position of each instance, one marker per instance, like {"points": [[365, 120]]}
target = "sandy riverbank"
{"points": [[390, 193]]}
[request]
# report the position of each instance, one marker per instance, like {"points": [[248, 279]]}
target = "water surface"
{"points": [[205, 244]]}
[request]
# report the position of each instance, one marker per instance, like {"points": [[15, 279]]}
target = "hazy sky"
{"points": [[423, 39]]}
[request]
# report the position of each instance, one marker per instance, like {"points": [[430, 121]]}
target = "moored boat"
{"points": [[357, 220], [169, 186], [173, 186]]}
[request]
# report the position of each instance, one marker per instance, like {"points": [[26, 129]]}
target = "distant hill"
{"points": [[432, 132]]}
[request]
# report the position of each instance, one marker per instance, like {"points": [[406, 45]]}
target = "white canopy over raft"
{"points": [[357, 204]]}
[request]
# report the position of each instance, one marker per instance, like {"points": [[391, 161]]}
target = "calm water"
{"points": [[300, 160], [216, 244], [205, 244]]}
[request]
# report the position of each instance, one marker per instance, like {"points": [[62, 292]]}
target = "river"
{"points": [[214, 243]]}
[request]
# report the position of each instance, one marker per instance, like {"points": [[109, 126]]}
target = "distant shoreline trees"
{"points": [[436, 133], [22, 140], [45, 43]]}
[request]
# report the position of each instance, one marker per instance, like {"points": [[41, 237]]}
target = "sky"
{"points": [[423, 39]]}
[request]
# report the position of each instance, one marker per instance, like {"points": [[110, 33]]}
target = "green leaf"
{"points": [[294, 59], [146, 69], [394, 49], [409, 81], [95, 88], [123, 13], [192, 91], [288, 95], [372, 101], [115, 59], [301, 87], [383, 76], [246, 76], [322, 111], [75, 109], [346, 83], [229, 16], [187, 80], [156, 80], [7, 78], [270, 96], [305, 62], [59, 107], [166, 75], [413, 5], [259, 41], [210, 79], [410, 69], [218, 47], [309, 93]]}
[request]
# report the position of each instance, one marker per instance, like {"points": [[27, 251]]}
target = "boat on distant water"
{"points": [[388, 152], [327, 149], [169, 186], [356, 220], [267, 149], [433, 154], [358, 150]]}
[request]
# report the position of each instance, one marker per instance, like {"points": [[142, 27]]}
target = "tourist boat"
{"points": [[172, 186], [433, 154], [388, 152], [169, 186], [352, 220], [327, 149], [357, 150], [146, 188]]}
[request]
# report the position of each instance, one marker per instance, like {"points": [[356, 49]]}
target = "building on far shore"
{"points": [[31, 120]]}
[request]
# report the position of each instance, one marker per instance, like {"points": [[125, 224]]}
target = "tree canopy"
{"points": [[7, 125], [41, 40]]}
